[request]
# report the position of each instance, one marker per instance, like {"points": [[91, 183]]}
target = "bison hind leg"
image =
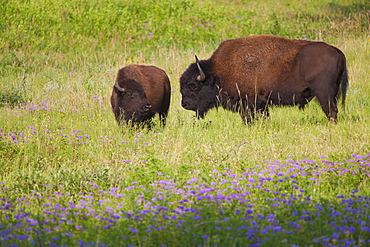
{"points": [[329, 106]]}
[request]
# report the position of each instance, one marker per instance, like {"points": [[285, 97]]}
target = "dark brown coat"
{"points": [[139, 93], [248, 74]]}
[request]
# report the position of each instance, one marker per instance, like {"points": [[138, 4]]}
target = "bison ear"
{"points": [[122, 90], [201, 77]]}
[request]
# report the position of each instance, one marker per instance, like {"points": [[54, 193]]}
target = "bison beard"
{"points": [[247, 75]]}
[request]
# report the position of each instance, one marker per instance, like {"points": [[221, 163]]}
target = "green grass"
{"points": [[58, 61]]}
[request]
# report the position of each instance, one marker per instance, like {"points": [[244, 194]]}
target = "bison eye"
{"points": [[130, 95], [193, 86]]}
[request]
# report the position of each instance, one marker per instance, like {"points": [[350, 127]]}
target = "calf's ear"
{"points": [[201, 77]]}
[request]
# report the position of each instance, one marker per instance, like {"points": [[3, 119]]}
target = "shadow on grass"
{"points": [[12, 98]]}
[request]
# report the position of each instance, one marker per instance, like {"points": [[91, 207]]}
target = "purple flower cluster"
{"points": [[108, 140], [31, 134], [43, 105], [39, 106], [278, 202], [56, 133]]}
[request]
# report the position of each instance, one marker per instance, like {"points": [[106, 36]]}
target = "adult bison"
{"points": [[249, 74], [139, 93]]}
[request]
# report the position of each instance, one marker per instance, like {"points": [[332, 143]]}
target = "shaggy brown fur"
{"points": [[253, 72], [140, 92]]}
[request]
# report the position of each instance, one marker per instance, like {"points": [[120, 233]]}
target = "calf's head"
{"points": [[199, 88], [129, 103]]}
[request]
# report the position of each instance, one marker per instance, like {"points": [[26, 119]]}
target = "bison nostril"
{"points": [[147, 107]]}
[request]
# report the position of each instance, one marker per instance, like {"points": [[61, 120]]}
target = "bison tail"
{"points": [[344, 86]]}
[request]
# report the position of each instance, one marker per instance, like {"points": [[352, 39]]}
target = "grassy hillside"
{"points": [[71, 176]]}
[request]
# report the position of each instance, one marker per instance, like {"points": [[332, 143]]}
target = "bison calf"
{"points": [[249, 74], [139, 93]]}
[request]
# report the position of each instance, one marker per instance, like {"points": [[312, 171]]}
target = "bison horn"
{"points": [[201, 76], [122, 90]]}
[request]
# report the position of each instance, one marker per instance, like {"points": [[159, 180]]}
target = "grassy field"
{"points": [[70, 176]]}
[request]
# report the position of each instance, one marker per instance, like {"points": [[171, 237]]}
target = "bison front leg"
{"points": [[162, 118], [247, 114], [247, 118], [119, 115], [262, 110], [251, 113]]}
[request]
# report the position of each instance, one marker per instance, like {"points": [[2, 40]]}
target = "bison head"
{"points": [[199, 88], [130, 103]]}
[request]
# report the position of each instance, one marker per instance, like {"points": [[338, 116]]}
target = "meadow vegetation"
{"points": [[70, 176]]}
